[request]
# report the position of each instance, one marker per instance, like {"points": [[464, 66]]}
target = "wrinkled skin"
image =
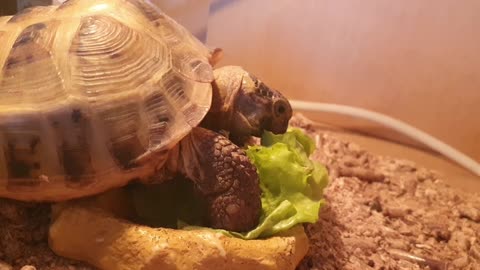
{"points": [[242, 106]]}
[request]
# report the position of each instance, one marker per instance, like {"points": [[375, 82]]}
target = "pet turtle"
{"points": [[97, 93]]}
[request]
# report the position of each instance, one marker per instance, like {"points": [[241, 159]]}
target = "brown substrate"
{"points": [[24, 241], [382, 213], [386, 213]]}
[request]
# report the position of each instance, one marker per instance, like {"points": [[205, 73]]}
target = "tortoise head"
{"points": [[252, 106]]}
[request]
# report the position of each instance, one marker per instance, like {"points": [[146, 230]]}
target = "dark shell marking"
{"points": [[122, 125], [32, 48], [72, 135], [21, 150], [30, 34], [158, 111]]}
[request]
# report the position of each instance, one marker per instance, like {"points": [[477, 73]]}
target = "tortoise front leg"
{"points": [[224, 175]]}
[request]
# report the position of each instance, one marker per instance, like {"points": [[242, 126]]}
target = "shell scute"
{"points": [[123, 125], [174, 105], [191, 64], [110, 57], [30, 75]]}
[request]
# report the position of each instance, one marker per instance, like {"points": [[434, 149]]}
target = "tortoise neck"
{"points": [[219, 116]]}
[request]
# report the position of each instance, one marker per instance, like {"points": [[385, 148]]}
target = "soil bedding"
{"points": [[381, 213], [387, 213]]}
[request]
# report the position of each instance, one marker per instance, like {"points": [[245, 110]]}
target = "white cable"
{"points": [[394, 124]]}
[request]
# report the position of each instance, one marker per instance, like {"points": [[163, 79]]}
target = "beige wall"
{"points": [[418, 61]]}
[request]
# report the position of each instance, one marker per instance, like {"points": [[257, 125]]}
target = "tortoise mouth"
{"points": [[278, 124], [276, 129]]}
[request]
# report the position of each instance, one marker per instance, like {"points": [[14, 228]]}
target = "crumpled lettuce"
{"points": [[292, 186]]}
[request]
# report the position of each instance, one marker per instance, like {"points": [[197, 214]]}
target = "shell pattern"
{"points": [[90, 86]]}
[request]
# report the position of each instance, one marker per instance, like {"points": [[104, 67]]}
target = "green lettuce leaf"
{"points": [[292, 188], [292, 184]]}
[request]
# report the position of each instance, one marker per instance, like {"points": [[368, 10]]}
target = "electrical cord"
{"points": [[397, 125]]}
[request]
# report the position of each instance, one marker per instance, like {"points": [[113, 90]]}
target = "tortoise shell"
{"points": [[88, 88]]}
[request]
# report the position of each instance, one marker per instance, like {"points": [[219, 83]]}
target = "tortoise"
{"points": [[95, 94]]}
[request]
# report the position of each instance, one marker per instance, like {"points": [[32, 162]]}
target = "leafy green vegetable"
{"points": [[292, 184], [292, 188]]}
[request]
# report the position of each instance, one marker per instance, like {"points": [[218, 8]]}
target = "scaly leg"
{"points": [[224, 175]]}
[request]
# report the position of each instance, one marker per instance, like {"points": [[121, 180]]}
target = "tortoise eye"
{"points": [[280, 107]]}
